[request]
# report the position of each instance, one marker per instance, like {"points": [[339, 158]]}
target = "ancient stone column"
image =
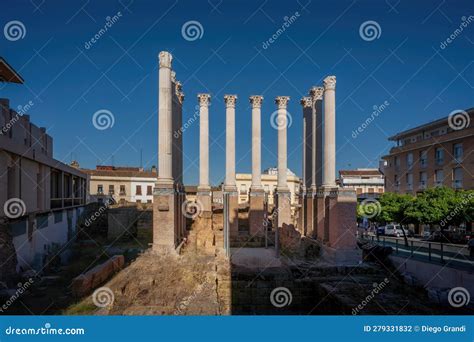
{"points": [[204, 188], [306, 189], [182, 193], [316, 94], [282, 198], [230, 188], [256, 198], [329, 176], [166, 212], [165, 120]]}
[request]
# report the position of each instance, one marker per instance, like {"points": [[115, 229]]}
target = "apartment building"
{"points": [[368, 183], [123, 184], [41, 198], [438, 153]]}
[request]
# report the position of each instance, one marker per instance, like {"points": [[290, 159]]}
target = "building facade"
{"points": [[439, 153], [123, 184], [368, 183], [41, 198], [269, 184]]}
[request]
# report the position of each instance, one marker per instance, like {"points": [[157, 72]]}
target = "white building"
{"points": [[123, 184], [368, 183], [269, 184]]}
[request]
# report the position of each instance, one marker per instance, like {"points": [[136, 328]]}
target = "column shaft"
{"points": [[230, 142], [256, 102], [165, 119], [204, 140], [282, 102], [329, 177]]}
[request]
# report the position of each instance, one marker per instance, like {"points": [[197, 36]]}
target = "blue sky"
{"points": [[68, 83]]}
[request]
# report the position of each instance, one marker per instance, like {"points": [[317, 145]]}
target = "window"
{"points": [[243, 189], [439, 177], [148, 201], [359, 191], [410, 181], [423, 158], [457, 178], [100, 189], [423, 180], [380, 190], [397, 162], [439, 156], [396, 181], [457, 152], [138, 190], [267, 188], [149, 190], [122, 190], [139, 201], [111, 189], [410, 160]]}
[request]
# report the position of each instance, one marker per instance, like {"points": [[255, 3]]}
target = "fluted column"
{"points": [[316, 94], [282, 102], [165, 119], [256, 102], [329, 176], [306, 201], [229, 183], [204, 101]]}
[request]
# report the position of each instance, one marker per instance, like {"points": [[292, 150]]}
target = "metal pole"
{"points": [[265, 216], [277, 239], [411, 252], [396, 246], [442, 256], [429, 251]]}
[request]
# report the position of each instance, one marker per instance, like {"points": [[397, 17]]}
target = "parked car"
{"points": [[393, 230], [449, 236], [381, 230]]}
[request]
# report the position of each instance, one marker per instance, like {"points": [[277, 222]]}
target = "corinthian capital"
{"points": [[282, 101], [204, 99], [330, 83], [230, 100], [180, 96], [256, 101], [306, 102], [317, 93], [165, 59], [178, 87]]}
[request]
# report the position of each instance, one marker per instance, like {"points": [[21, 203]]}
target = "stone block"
{"points": [[256, 213]]}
